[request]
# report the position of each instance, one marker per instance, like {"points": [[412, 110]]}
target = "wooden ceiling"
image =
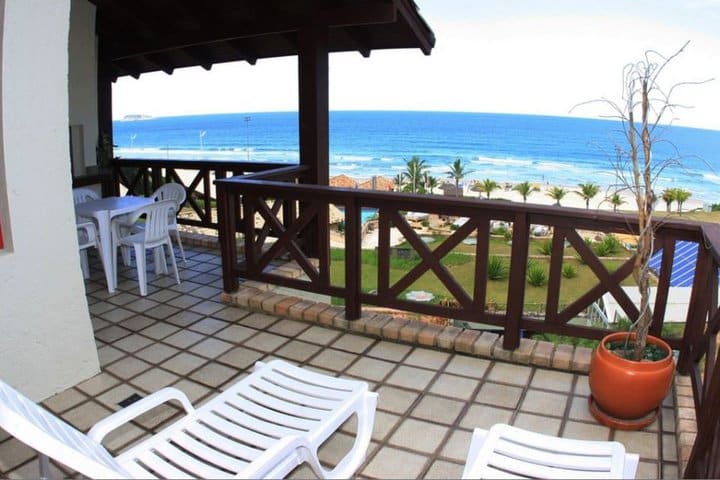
{"points": [[139, 36]]}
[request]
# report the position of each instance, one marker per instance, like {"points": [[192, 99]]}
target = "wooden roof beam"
{"points": [[420, 29], [359, 38], [347, 16]]}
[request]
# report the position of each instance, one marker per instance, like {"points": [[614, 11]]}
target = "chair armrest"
{"points": [[293, 447], [121, 417]]}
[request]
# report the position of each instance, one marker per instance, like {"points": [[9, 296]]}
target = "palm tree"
{"points": [[588, 192], [557, 194], [457, 172], [486, 186], [681, 196], [668, 196], [615, 200], [414, 172], [399, 181], [525, 189], [431, 183]]}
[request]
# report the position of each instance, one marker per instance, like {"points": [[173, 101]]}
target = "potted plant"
{"points": [[631, 372]]}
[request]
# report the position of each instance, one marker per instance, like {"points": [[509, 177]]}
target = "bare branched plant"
{"points": [[644, 111]]}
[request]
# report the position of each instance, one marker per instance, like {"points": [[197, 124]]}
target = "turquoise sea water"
{"points": [[503, 147]]}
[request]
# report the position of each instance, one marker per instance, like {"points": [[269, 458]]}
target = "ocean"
{"points": [[560, 151]]}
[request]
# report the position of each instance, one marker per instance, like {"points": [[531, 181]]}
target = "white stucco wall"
{"points": [[82, 75], [46, 340]]}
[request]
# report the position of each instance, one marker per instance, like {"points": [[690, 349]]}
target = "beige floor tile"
{"points": [[335, 448], [442, 470], [411, 377], [371, 369], [184, 338], [331, 359], [669, 448], [586, 431], [457, 446], [206, 307], [184, 301], [547, 403], [438, 409], [184, 363], [319, 335], [117, 315], [208, 326], [643, 443], [163, 296], [112, 333], [127, 367], [499, 395], [453, 386], [235, 333], [579, 409], [117, 394], [213, 375], [159, 330], [395, 400], [122, 436], [108, 354], [288, 328], [552, 380], [538, 423], [391, 463], [353, 343], [258, 321], [648, 470], [266, 342], [14, 453], [670, 472], [668, 420], [394, 352], [161, 311], [231, 314], [483, 416], [241, 358], [194, 391], [430, 359], [211, 347], [86, 415], [418, 435], [137, 323], [154, 379], [582, 386], [141, 304], [64, 400], [297, 351], [97, 384], [509, 373], [156, 353], [132, 343]]}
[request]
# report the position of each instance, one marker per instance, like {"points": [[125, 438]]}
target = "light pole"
{"points": [[202, 134], [247, 136]]}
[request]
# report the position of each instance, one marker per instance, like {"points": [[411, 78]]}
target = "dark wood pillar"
{"points": [[104, 105], [314, 124]]}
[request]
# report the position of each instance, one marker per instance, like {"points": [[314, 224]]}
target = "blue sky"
{"points": [[512, 56]]}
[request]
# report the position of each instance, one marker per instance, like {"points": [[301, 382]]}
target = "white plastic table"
{"points": [[103, 210]]}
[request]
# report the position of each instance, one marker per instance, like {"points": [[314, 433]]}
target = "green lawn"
{"points": [[461, 264]]}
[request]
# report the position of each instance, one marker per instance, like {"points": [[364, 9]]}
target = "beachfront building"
{"points": [[59, 59]]}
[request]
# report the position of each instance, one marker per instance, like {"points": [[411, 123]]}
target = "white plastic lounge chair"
{"points": [[262, 427], [510, 452]]}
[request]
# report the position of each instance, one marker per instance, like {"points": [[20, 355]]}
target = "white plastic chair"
{"points": [[510, 452], [176, 192], [87, 238], [82, 195], [154, 236], [262, 427]]}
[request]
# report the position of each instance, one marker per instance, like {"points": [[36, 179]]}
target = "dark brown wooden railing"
{"points": [[142, 177]]}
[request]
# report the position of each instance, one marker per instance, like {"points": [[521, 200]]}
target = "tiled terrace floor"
{"points": [[429, 400]]}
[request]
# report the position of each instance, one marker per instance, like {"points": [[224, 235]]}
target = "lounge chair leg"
{"points": [[44, 467], [141, 268]]}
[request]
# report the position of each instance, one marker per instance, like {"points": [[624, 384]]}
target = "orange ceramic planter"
{"points": [[626, 389]]}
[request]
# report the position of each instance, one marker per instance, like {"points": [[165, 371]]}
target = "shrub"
{"points": [[609, 246], [545, 247], [496, 269], [507, 236], [536, 275], [568, 271], [501, 230], [425, 223]]}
